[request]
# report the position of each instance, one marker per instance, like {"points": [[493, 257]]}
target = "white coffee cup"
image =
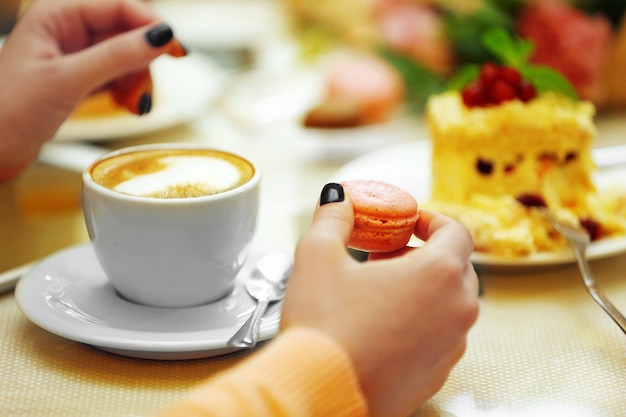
{"points": [[163, 249]]}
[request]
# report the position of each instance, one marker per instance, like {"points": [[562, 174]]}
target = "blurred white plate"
{"points": [[184, 89], [344, 144], [273, 103], [407, 165]]}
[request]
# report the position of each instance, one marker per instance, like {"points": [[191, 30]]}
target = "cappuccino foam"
{"points": [[172, 173]]}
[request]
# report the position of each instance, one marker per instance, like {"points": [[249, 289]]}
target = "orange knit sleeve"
{"points": [[300, 373]]}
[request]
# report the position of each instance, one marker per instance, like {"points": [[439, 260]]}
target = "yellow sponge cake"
{"points": [[490, 162], [542, 148]]}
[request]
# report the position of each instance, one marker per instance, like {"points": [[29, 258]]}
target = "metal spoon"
{"points": [[266, 284]]}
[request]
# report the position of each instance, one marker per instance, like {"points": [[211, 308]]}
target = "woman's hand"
{"points": [[58, 53], [403, 317]]}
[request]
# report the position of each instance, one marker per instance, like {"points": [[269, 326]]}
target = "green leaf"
{"points": [[510, 7], [465, 31], [420, 83], [463, 76], [511, 51], [545, 78]]}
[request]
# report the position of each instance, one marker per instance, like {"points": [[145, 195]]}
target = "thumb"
{"points": [[119, 55], [333, 220]]}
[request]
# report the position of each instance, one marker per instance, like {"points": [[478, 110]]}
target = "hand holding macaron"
{"points": [[402, 316]]}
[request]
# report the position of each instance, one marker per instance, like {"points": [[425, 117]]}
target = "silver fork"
{"points": [[578, 242]]}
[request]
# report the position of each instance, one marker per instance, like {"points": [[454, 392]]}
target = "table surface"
{"points": [[541, 346]]}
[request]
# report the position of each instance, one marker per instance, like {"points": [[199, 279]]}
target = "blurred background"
{"points": [[426, 41], [308, 86]]}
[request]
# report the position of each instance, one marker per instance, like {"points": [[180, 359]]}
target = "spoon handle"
{"points": [[247, 335]]}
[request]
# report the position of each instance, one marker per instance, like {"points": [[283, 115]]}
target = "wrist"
{"points": [[305, 371]]}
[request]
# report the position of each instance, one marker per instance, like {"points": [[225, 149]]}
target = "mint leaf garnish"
{"points": [[510, 51], [420, 83], [545, 78], [465, 30], [462, 76]]}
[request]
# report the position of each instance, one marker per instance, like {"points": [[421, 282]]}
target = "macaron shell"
{"points": [[384, 215], [377, 198], [373, 241]]}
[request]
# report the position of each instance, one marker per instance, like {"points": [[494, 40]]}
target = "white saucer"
{"points": [[68, 294]]}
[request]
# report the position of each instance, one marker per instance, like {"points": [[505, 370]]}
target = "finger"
{"points": [[122, 54], [134, 92], [373, 256], [333, 219], [443, 233], [76, 25], [437, 230], [120, 15], [471, 279]]}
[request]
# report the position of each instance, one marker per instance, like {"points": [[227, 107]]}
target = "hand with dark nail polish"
{"points": [[61, 53], [428, 297], [374, 338]]}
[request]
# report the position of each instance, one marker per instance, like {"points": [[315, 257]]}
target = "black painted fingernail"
{"points": [[331, 193], [159, 35], [145, 104]]}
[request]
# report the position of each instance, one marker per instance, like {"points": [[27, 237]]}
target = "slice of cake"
{"points": [[540, 148], [515, 137], [500, 148]]}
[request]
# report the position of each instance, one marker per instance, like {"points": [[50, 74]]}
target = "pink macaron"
{"points": [[384, 215]]}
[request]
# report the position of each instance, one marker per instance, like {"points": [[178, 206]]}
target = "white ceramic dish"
{"points": [[274, 103], [184, 89], [68, 294], [344, 144], [407, 165]]}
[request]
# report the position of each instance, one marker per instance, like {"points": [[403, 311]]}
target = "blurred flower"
{"points": [[346, 21], [416, 29], [616, 82], [572, 42], [429, 40]]}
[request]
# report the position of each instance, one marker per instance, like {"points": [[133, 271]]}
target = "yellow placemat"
{"points": [[541, 347], [45, 375]]}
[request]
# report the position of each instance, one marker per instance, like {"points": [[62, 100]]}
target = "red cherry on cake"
{"points": [[495, 85], [526, 91], [501, 91], [489, 72], [593, 228], [474, 94], [510, 75]]}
